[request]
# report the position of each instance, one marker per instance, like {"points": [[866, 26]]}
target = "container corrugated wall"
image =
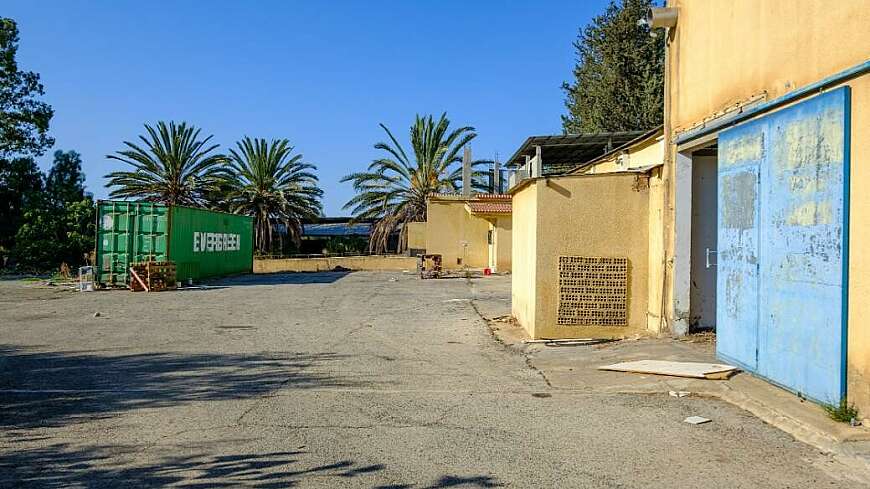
{"points": [[128, 232], [202, 243], [205, 244]]}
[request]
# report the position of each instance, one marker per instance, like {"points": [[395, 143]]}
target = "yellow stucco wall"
{"points": [[417, 235], [858, 357], [656, 262], [449, 225], [583, 215], [524, 256], [644, 154], [650, 153], [372, 263], [727, 53], [503, 228]]}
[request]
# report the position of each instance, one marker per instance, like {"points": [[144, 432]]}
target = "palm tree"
{"points": [[393, 190], [270, 183], [173, 167]]}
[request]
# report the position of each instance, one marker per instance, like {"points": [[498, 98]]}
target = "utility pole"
{"points": [[466, 172]]}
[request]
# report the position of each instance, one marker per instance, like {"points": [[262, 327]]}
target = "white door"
{"points": [[490, 239]]}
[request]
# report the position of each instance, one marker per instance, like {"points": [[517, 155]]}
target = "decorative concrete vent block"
{"points": [[593, 291]]}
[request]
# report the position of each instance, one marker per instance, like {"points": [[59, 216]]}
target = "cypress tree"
{"points": [[619, 75]]}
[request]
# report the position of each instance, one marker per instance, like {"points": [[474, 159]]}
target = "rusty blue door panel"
{"points": [[801, 344], [741, 152], [801, 249]]}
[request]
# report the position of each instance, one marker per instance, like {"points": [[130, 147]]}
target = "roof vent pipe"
{"points": [[466, 172]]}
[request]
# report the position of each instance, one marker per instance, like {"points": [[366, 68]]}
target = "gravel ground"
{"points": [[370, 380]]}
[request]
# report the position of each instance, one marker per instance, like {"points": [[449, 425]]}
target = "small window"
{"points": [[489, 237]]}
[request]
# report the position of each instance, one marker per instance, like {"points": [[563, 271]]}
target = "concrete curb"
{"points": [[851, 448], [804, 421]]}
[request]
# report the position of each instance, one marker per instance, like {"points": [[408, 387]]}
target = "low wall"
{"points": [[387, 263]]}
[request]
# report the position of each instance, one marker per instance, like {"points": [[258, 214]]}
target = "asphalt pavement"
{"points": [[333, 380]]}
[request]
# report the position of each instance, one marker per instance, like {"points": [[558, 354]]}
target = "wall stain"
{"points": [[733, 289], [809, 143], [811, 213], [806, 185], [739, 195], [744, 148]]}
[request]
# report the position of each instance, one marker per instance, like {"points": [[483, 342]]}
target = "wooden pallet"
{"points": [[430, 266], [152, 276]]}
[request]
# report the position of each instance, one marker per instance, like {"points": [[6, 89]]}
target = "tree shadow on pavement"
{"points": [[56, 388], [451, 481], [61, 465], [289, 278]]}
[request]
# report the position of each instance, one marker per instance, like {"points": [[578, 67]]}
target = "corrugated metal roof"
{"points": [[652, 133], [562, 153], [336, 229]]}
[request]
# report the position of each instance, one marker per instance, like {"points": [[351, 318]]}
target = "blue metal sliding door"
{"points": [[783, 245], [741, 151]]}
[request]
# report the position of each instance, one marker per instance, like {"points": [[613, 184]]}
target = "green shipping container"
{"points": [[202, 243]]}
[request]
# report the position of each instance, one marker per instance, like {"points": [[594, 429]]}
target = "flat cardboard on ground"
{"points": [[693, 370]]}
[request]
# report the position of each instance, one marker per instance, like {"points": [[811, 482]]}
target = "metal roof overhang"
{"points": [[571, 149], [709, 131], [652, 133]]}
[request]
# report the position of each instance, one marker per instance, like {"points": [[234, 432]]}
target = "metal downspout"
{"points": [[667, 169]]}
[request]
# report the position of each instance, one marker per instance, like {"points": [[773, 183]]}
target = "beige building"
{"points": [[582, 252], [416, 238], [767, 124], [468, 232], [754, 224]]}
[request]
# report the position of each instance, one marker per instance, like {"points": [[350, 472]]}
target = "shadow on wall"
{"points": [[53, 389], [564, 192], [61, 465]]}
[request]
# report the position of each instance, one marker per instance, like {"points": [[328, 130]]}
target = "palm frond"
{"points": [[172, 165], [393, 190], [268, 181]]}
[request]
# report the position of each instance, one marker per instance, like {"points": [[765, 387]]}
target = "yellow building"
{"points": [[767, 123], [468, 231], [586, 260], [416, 238]]}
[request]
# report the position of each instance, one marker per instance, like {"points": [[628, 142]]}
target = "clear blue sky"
{"points": [[321, 74]]}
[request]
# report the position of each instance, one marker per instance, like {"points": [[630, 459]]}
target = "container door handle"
{"points": [[707, 257]]}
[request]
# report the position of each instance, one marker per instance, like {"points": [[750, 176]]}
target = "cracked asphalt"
{"points": [[326, 380]]}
